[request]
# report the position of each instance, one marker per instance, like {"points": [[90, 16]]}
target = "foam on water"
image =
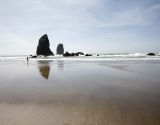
{"points": [[131, 56]]}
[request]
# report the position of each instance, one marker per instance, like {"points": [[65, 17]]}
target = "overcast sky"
{"points": [[92, 26]]}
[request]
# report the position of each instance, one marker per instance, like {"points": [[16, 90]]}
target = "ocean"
{"points": [[112, 56]]}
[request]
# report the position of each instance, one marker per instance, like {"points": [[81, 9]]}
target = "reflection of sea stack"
{"points": [[60, 65], [44, 68], [60, 49], [43, 46]]}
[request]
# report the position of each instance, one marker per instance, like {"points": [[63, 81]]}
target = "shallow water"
{"points": [[70, 92]]}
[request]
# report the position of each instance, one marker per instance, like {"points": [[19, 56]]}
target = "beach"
{"points": [[80, 92]]}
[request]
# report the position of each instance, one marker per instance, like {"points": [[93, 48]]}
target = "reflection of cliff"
{"points": [[44, 68]]}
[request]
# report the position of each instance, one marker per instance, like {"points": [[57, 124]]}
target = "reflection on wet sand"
{"points": [[82, 94], [60, 65], [44, 68]]}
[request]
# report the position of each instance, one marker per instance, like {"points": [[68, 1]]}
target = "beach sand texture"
{"points": [[67, 92]]}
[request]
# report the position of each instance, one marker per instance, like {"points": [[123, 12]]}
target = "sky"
{"points": [[90, 26]]}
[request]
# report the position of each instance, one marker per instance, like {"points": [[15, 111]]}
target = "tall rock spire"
{"points": [[43, 46], [60, 49]]}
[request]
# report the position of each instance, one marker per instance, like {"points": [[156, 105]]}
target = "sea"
{"points": [[110, 56]]}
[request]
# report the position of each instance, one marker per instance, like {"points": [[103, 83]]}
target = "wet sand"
{"points": [[80, 92]]}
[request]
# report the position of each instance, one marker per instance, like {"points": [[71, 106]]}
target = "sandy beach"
{"points": [[70, 92]]}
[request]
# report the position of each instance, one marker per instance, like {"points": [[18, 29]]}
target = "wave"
{"points": [[129, 56]]}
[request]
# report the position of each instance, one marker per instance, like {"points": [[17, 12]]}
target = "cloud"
{"points": [[138, 15], [76, 22]]}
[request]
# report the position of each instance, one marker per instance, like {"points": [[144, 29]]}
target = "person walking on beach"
{"points": [[27, 59]]}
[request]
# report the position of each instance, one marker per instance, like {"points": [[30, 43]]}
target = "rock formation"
{"points": [[68, 54], [79, 53], [43, 46], [60, 49], [151, 54], [88, 55], [33, 56]]}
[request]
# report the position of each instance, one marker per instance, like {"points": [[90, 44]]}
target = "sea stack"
{"points": [[43, 46], [60, 49]]}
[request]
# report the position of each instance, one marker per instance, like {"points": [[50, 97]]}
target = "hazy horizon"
{"points": [[92, 26]]}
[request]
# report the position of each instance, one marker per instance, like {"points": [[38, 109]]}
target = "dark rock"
{"points": [[79, 53], [43, 46], [88, 55], [72, 54], [68, 54], [33, 56], [151, 54], [97, 55], [60, 49], [76, 54]]}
